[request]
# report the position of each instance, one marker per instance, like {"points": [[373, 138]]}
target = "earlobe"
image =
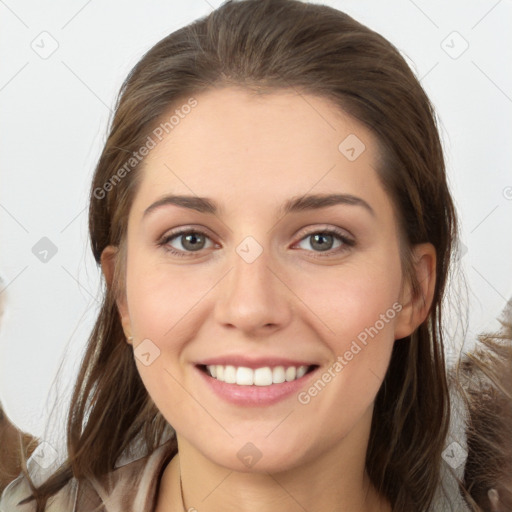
{"points": [[416, 306], [108, 265]]}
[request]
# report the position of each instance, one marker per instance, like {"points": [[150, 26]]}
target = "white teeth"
{"points": [[264, 376], [244, 376], [278, 375], [301, 371], [290, 373], [230, 374]]}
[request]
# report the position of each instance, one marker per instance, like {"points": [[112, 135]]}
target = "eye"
{"points": [[327, 241], [185, 241]]}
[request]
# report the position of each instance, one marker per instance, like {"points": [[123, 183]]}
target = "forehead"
{"points": [[241, 148]]}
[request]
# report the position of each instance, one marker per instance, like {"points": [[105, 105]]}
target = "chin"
{"points": [[258, 456]]}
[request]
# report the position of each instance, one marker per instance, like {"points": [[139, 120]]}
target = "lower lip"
{"points": [[255, 395]]}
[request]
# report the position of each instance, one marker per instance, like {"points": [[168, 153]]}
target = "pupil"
{"points": [[192, 240], [322, 246]]}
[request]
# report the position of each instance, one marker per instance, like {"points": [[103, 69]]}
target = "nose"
{"points": [[254, 297]]}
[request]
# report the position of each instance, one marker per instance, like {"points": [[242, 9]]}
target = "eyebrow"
{"points": [[295, 204]]}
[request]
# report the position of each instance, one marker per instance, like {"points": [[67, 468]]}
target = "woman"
{"points": [[272, 218]]}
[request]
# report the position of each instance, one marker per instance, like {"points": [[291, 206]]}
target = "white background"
{"points": [[54, 114]]}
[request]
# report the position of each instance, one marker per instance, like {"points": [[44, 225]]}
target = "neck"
{"points": [[334, 480]]}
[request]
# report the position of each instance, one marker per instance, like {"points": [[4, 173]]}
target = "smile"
{"points": [[259, 386], [263, 376]]}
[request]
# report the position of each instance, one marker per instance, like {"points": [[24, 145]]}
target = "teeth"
{"points": [[301, 371], [291, 373], [264, 376], [244, 376], [229, 374], [278, 375]]}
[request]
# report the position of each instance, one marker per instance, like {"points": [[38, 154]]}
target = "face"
{"points": [[260, 276]]}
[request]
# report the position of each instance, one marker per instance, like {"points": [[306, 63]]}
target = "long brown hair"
{"points": [[267, 45]]}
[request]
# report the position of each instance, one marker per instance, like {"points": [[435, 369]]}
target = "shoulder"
{"points": [[15, 494], [132, 486]]}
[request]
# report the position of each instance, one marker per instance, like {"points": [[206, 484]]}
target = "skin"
{"points": [[250, 154]]}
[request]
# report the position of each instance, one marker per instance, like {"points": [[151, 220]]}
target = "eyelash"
{"points": [[348, 243]]}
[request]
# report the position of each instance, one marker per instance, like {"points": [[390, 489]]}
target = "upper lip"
{"points": [[257, 362]]}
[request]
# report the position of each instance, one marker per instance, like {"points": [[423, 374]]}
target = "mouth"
{"points": [[261, 376]]}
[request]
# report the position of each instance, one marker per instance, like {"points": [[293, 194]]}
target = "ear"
{"points": [[415, 307], [108, 264]]}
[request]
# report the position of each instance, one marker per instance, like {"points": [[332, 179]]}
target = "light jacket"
{"points": [[131, 487]]}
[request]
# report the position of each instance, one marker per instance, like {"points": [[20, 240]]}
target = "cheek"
{"points": [[161, 296], [163, 303], [354, 299], [359, 305]]}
